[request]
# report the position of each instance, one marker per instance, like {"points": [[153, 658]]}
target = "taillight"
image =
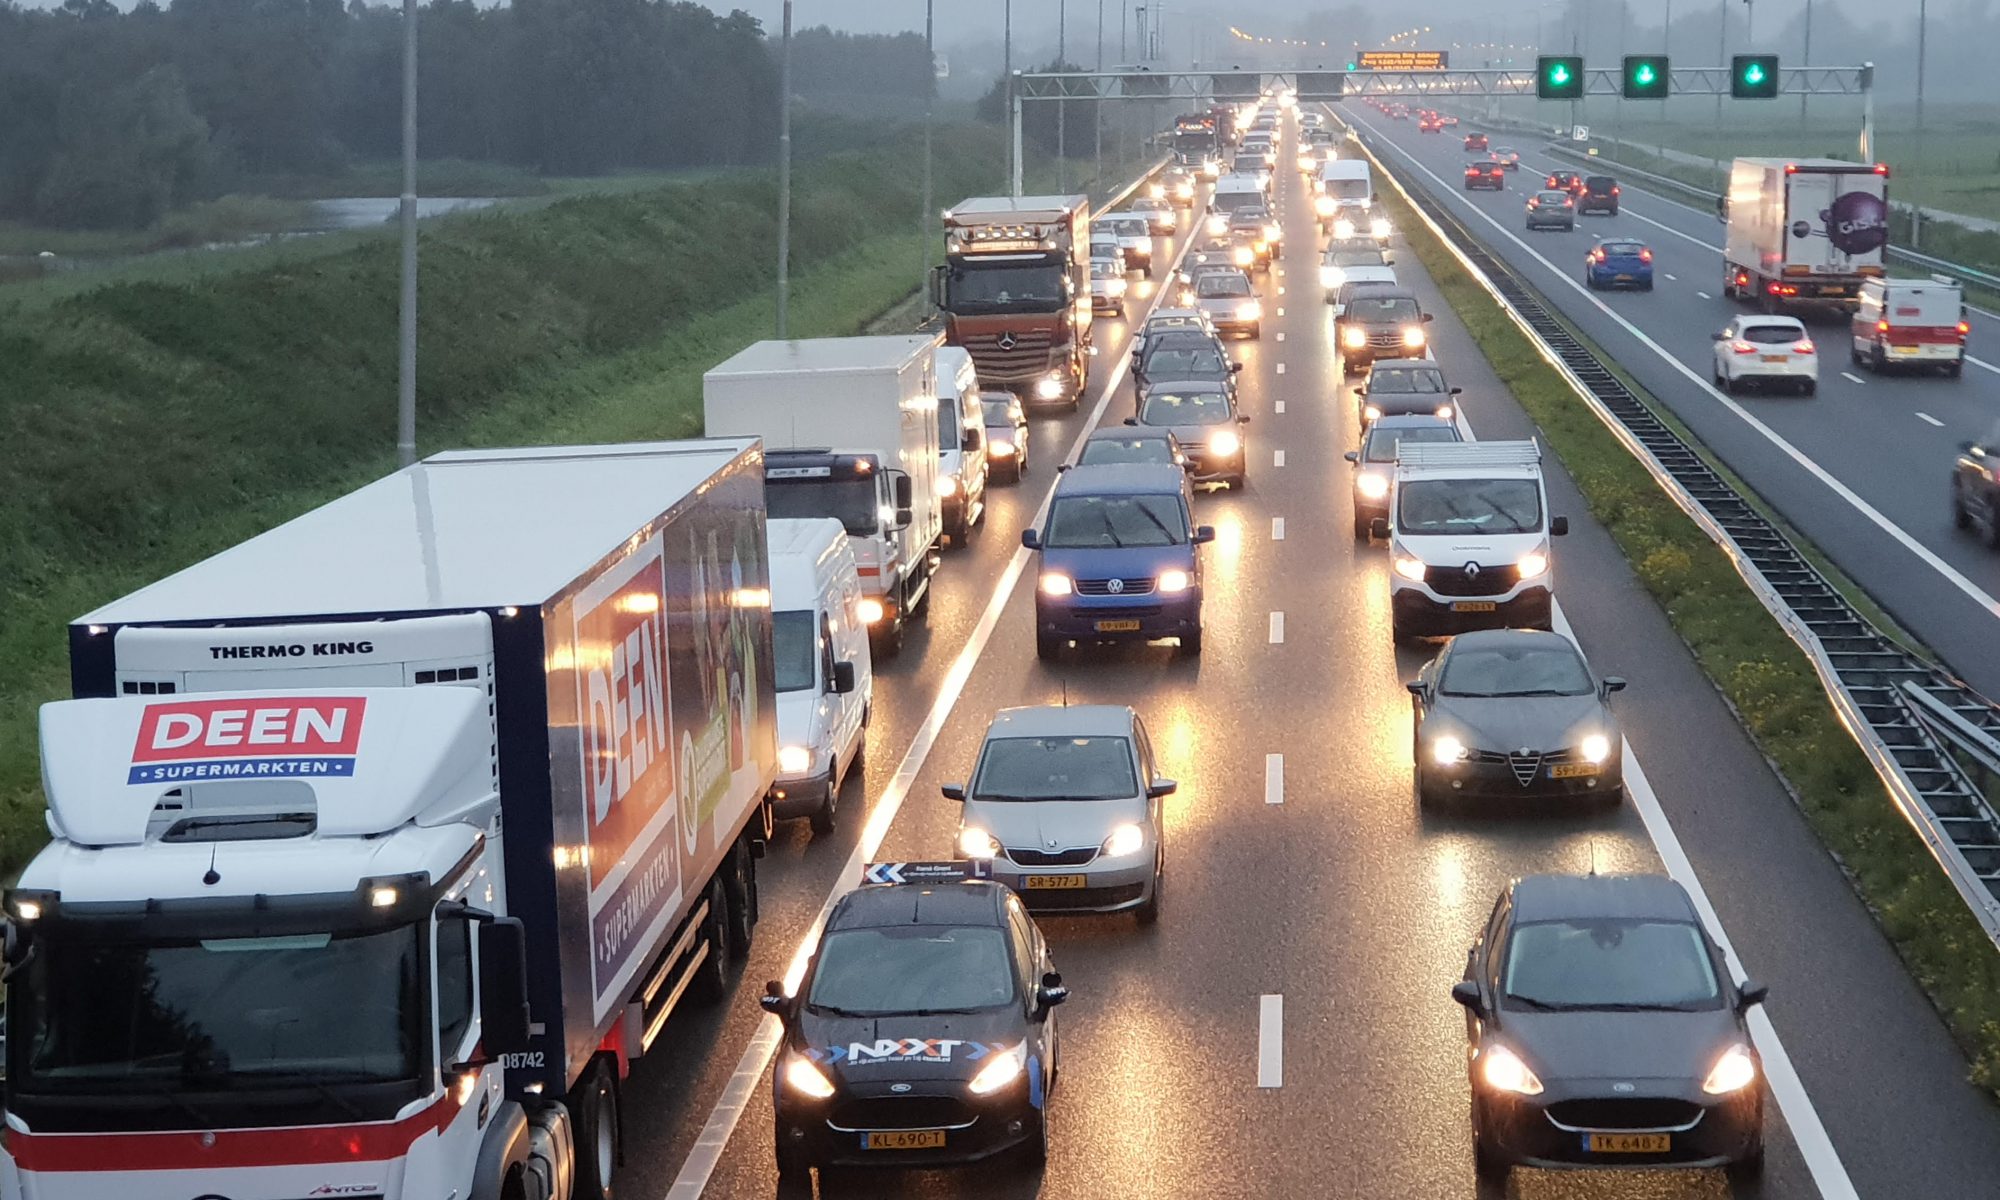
{"points": [[1534, 204], [1964, 328], [1881, 327], [1567, 202], [1742, 278], [1645, 256], [1743, 347], [1802, 346], [1614, 190], [1597, 256]]}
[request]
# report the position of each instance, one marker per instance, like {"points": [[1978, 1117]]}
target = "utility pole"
{"points": [[1721, 53], [406, 356], [1097, 101], [1916, 210], [924, 217], [1666, 49], [785, 172], [1124, 23], [1062, 105], [1807, 61], [1013, 105]]}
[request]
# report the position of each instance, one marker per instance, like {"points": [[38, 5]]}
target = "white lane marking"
{"points": [[1982, 364], [1277, 529], [1703, 295], [1281, 312], [1672, 278], [1277, 458], [709, 1144], [1274, 779], [1281, 368], [1930, 559], [1281, 289], [1277, 628], [1281, 335], [1924, 416], [1270, 1041], [1849, 375], [1280, 406]]}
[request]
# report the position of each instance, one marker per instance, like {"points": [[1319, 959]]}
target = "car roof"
{"points": [[1746, 320], [1128, 433], [1594, 180], [1189, 386], [1383, 290], [1585, 897], [1078, 720], [974, 902], [1121, 479]]}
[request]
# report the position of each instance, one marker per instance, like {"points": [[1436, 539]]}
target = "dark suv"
{"points": [[1381, 322], [1975, 488], [1599, 193]]}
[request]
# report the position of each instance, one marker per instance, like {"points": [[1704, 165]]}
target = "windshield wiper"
{"points": [[1545, 1005], [836, 1010], [1148, 514], [1109, 530]]}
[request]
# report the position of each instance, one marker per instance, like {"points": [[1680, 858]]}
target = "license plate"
{"points": [[1572, 770], [1055, 881], [1473, 606], [1624, 279], [1627, 1143], [1118, 626], [903, 1139], [1773, 357], [1906, 349]]}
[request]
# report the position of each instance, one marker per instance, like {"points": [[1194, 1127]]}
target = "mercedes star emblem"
{"points": [[1472, 570], [1007, 341], [1115, 586], [900, 1088]]}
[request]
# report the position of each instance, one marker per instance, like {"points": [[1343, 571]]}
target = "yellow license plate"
{"points": [[1572, 770], [1055, 881], [1118, 626], [903, 1139], [1906, 349], [1627, 1143], [1473, 606], [1772, 357]]}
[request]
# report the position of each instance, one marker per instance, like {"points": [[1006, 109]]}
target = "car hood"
{"points": [[798, 717], [1053, 824], [1457, 549], [1509, 723], [1368, 274], [1007, 431], [1117, 562], [1574, 1046], [906, 1048], [1197, 435]]}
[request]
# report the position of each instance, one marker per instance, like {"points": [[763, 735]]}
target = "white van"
{"points": [[1231, 193], [961, 444], [1910, 323], [825, 678], [1346, 200], [1468, 532]]}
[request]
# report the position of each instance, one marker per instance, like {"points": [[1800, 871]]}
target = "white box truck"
{"points": [[850, 431], [383, 842], [1803, 230]]}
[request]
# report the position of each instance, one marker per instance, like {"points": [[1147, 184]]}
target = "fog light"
{"points": [[1372, 487], [871, 610]]}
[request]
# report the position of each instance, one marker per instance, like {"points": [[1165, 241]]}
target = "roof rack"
{"points": [[1468, 454]]}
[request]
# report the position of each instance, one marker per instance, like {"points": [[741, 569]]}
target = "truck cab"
{"points": [[1014, 291]]}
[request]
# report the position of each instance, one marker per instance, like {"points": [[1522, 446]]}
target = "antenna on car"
{"points": [[1593, 857], [1065, 691]]}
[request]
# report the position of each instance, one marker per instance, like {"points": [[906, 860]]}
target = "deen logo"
{"points": [[271, 737]]}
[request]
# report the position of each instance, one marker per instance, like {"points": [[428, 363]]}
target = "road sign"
{"points": [[1647, 77], [1559, 77], [1754, 77], [1404, 60], [1579, 133]]}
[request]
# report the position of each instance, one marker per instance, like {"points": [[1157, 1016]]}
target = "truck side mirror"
{"points": [[1379, 527], [843, 678], [504, 1021], [1722, 208], [904, 491], [937, 286]]}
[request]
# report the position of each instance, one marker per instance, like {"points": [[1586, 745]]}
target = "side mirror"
{"points": [[1429, 317], [1458, 391], [1466, 993], [1613, 683], [904, 516], [843, 678], [1203, 534], [1750, 994], [1415, 687], [1131, 420], [1048, 995], [1558, 526], [1353, 456], [1235, 368], [1161, 787], [774, 1000], [1061, 467], [1717, 336], [505, 1025], [1032, 538], [1242, 418], [953, 791], [1379, 527]]}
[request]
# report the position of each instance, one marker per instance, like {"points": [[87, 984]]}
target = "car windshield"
{"points": [[1535, 667], [1185, 408], [1106, 522], [1346, 189], [911, 968], [1175, 362], [1614, 964], [851, 501], [1382, 442], [1356, 258], [1135, 228], [1126, 450], [1216, 285], [1551, 197], [1250, 215], [1460, 506], [991, 288], [1622, 249], [794, 648], [1381, 309], [1104, 268], [1406, 380], [1772, 335], [998, 412], [1229, 202], [1055, 768]]}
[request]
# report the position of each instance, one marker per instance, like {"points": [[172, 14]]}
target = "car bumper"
{"points": [[1602, 206], [835, 1132], [1106, 889], [1563, 222], [1204, 467], [1485, 181], [1785, 370], [1102, 303], [1421, 614], [1121, 619], [1617, 279], [800, 795], [1497, 781], [1234, 324], [1707, 1132]]}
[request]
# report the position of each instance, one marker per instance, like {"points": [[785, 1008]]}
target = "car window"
{"points": [[1185, 408], [1772, 335], [1217, 285], [897, 969], [1126, 450], [1460, 506], [1133, 228], [998, 412], [1381, 308], [1382, 442], [1357, 258], [1055, 768], [1536, 667], [1104, 268], [1622, 249], [1171, 362], [1406, 380], [1618, 963], [793, 648], [1551, 197], [1600, 183]]}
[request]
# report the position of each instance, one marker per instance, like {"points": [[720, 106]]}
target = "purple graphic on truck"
{"points": [[1857, 223]]}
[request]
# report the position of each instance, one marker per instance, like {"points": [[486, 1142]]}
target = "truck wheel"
{"points": [[711, 979], [741, 884], [1954, 370], [595, 1103], [1878, 362]]}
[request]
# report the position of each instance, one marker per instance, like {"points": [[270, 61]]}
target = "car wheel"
{"points": [[1191, 643], [1590, 281], [1487, 1162], [1954, 370], [1362, 532], [1398, 632], [1149, 912], [1256, 333], [824, 816], [1035, 1147], [792, 1164], [1646, 286], [1854, 354], [1748, 1168], [1878, 362], [1048, 647], [1809, 388], [1960, 517]]}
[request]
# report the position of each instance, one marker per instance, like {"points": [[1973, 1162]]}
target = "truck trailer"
{"points": [[1803, 230], [383, 842], [1015, 291]]}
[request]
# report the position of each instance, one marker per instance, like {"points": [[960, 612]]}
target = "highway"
{"points": [[1299, 866], [1862, 469]]}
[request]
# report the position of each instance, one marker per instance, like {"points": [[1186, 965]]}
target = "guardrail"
{"points": [[1906, 714]]}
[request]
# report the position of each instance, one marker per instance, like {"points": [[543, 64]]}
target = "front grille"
{"points": [[1053, 898], [1526, 767], [1635, 1113], [1381, 340], [900, 1112], [1095, 613], [1489, 581], [1051, 858], [1030, 352], [1126, 587]]}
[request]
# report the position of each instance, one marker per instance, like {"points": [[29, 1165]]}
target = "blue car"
{"points": [[1619, 262], [1118, 560]]}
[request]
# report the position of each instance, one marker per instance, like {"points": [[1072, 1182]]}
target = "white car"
{"points": [[1344, 264], [1768, 351], [1107, 287], [1135, 236]]}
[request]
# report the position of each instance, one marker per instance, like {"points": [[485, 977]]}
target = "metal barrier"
{"points": [[1906, 714]]}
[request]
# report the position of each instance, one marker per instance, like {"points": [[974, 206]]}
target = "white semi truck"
{"points": [[850, 425], [1803, 230], [384, 842]]}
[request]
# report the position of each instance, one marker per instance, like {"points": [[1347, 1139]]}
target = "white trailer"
{"points": [[1803, 230]]}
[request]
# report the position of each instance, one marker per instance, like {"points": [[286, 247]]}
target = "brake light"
{"points": [[1802, 346], [1882, 169], [1614, 189], [1567, 202], [1597, 255], [1964, 328], [1534, 203], [1645, 256], [1742, 279], [1741, 347], [1781, 289], [1881, 327]]}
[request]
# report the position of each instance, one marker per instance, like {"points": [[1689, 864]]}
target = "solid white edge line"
{"points": [[1277, 529], [1270, 1041], [1277, 628], [1924, 416], [706, 1153], [1924, 553], [1274, 779]]}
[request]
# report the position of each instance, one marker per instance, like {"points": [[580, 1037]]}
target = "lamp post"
{"points": [[785, 170], [930, 93], [1806, 60], [1007, 74], [406, 357], [1916, 210]]}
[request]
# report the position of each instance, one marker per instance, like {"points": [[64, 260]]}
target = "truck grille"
{"points": [[1636, 1113], [1126, 587], [1051, 858], [1487, 581], [1029, 354]]}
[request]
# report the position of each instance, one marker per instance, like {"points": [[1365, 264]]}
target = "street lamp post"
{"points": [[1916, 210], [406, 357], [930, 93], [1721, 52], [1007, 74], [785, 171], [1806, 60]]}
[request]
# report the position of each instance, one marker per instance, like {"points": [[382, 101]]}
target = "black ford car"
{"points": [[923, 1031]]}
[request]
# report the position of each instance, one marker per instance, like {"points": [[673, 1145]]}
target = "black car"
{"points": [[1255, 225], [1400, 386], [1485, 173], [1599, 193], [1605, 1030], [1549, 209], [1509, 713], [1127, 444], [1176, 357], [1379, 322], [923, 1030], [1975, 488], [1564, 181], [1202, 416], [1006, 435]]}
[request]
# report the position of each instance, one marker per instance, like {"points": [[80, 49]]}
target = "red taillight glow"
{"points": [[1614, 189], [1882, 169], [1743, 347], [1881, 327], [1567, 202], [1802, 346], [1964, 328], [1645, 256], [1781, 289], [1597, 256]]}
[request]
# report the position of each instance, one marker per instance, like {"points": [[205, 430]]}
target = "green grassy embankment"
{"points": [[1758, 669], [145, 425]]}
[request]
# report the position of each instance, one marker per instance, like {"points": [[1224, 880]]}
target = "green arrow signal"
{"points": [[1646, 74], [1754, 73], [1559, 74]]}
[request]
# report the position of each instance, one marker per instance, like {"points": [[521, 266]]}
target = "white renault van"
{"points": [[825, 680], [961, 444]]}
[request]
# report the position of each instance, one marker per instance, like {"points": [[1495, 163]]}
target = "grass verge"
{"points": [[1758, 670]]}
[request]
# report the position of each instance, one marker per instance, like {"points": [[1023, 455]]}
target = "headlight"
{"points": [[1370, 412], [1413, 336], [1218, 225], [1249, 310], [1343, 228], [806, 1079], [1185, 191], [1531, 564], [1172, 582], [1331, 277], [1734, 1071], [1444, 411], [1446, 750], [1056, 585], [1001, 1071], [974, 842], [871, 610], [1126, 839], [1410, 568], [1324, 206], [947, 485], [1595, 748], [1243, 256], [1379, 227], [1225, 443], [795, 760], [1501, 1068], [1271, 233], [999, 449], [1354, 337], [1373, 487], [1117, 286], [1156, 190], [1049, 388]]}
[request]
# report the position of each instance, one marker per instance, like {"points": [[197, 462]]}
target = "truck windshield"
{"points": [[220, 1013], [1012, 287], [1467, 506], [850, 501], [793, 648], [1347, 189]]}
